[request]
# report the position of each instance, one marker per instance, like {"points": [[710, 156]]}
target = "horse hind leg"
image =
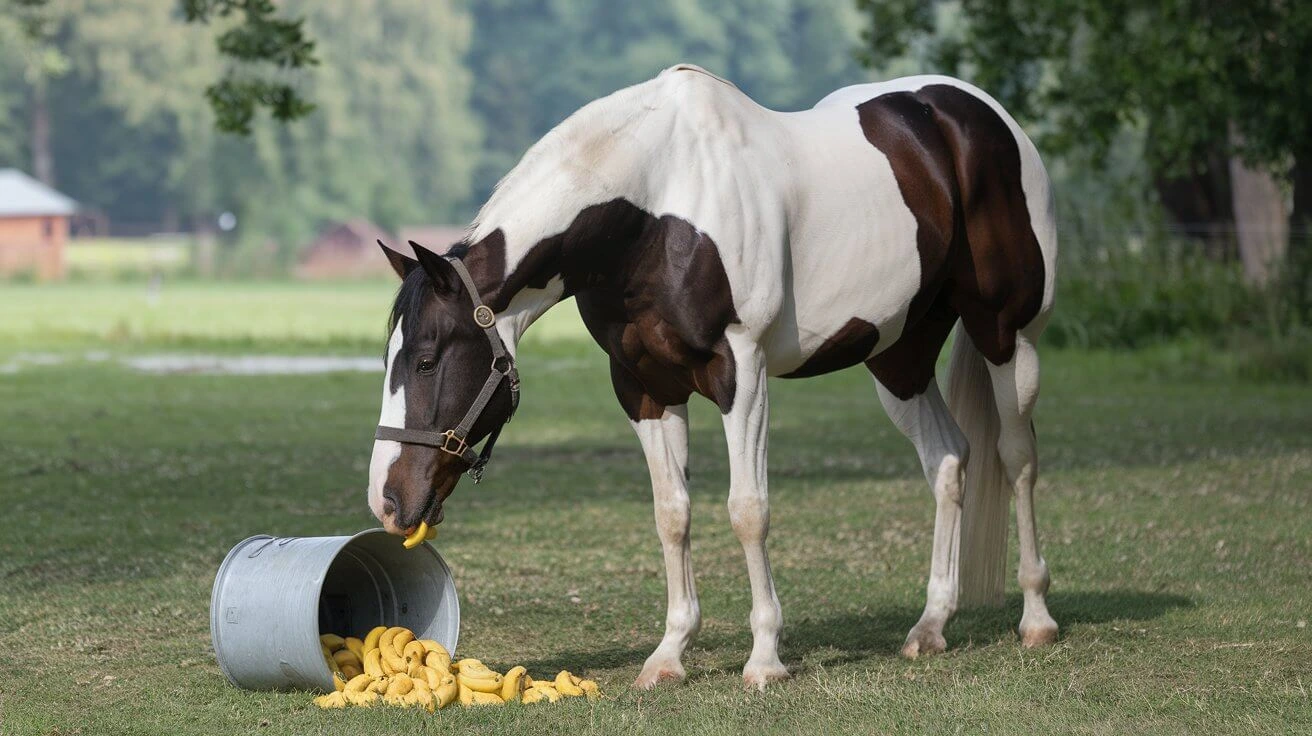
{"points": [[925, 420], [1016, 390]]}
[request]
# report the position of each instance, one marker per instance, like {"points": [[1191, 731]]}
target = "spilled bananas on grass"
{"points": [[390, 666]]}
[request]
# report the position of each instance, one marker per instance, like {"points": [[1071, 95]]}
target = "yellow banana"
{"points": [[431, 676], [486, 699], [366, 699], [349, 671], [547, 691], [589, 688], [532, 696], [439, 661], [332, 641], [400, 685], [491, 683], [358, 684], [405, 636], [385, 640], [414, 653], [466, 695], [471, 663], [512, 683], [421, 695], [380, 685], [373, 663], [447, 690], [331, 700], [371, 639], [392, 662], [356, 647], [417, 537], [343, 657], [565, 685]]}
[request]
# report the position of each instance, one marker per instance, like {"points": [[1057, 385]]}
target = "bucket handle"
{"points": [[281, 542]]}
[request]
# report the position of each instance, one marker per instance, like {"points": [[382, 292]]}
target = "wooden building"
{"points": [[33, 226]]}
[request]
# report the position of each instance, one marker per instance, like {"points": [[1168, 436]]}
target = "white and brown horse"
{"points": [[711, 243]]}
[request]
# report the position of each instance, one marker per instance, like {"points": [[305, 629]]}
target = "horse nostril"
{"points": [[389, 504]]}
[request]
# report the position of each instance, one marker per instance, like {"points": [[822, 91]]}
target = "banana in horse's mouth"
{"points": [[421, 534]]}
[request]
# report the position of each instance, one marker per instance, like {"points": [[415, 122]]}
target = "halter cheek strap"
{"points": [[456, 441]]}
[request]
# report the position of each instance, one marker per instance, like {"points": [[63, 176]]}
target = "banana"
{"points": [[349, 671], [345, 657], [565, 685], [489, 683], [512, 683], [432, 677], [358, 684], [417, 537], [590, 688], [331, 700], [327, 653], [366, 699], [392, 662], [400, 685], [339, 681], [385, 640], [373, 663], [371, 639], [466, 695], [414, 653], [532, 696], [380, 685], [422, 696], [440, 661], [447, 690], [486, 699], [471, 663], [416, 670], [356, 647], [332, 641], [404, 637]]}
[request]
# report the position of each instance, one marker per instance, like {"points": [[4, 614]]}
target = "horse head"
{"points": [[449, 383]]}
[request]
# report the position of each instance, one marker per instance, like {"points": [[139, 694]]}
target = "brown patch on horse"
{"points": [[853, 343], [958, 169], [652, 292]]}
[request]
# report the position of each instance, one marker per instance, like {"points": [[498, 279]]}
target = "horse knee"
{"points": [[750, 516], [949, 482], [673, 517]]}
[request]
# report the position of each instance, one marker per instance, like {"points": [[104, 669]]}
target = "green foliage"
{"points": [[1184, 69], [260, 38]]}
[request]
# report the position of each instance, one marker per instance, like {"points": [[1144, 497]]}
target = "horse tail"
{"points": [[987, 497]]}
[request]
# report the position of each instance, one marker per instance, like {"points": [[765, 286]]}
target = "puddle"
{"points": [[223, 365]]}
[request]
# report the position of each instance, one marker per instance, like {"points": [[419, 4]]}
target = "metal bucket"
{"points": [[273, 597]]}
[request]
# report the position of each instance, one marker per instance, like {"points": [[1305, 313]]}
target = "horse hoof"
{"points": [[1038, 634], [758, 676], [922, 641], [654, 673]]}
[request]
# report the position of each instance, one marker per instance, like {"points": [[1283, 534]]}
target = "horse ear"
{"points": [[444, 276], [401, 263]]}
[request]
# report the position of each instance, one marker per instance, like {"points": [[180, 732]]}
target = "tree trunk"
{"points": [[43, 161], [1261, 223], [1298, 258]]}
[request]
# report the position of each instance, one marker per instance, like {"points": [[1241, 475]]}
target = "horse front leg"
{"points": [[745, 429], [665, 443]]}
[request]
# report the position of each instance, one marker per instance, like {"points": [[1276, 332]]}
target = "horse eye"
{"points": [[427, 365]]}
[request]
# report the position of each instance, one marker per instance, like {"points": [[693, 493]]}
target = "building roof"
{"points": [[22, 195]]}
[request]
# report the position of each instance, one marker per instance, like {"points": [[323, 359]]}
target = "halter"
{"points": [[456, 441]]}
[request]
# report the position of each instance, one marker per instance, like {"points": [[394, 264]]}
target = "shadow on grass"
{"points": [[880, 632]]}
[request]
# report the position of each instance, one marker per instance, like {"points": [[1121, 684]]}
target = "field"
{"points": [[1174, 515]]}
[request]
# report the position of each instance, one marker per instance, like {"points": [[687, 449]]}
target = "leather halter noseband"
{"points": [[456, 441]]}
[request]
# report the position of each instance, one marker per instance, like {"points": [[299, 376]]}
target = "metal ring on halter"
{"points": [[484, 316]]}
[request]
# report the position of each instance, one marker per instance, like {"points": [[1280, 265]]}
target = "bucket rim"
{"points": [[214, 600]]}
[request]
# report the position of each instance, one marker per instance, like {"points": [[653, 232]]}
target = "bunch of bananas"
{"points": [[391, 667]]}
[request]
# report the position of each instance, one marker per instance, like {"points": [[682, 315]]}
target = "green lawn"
{"points": [[1174, 516]]}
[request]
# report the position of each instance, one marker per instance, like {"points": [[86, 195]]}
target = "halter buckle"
{"points": [[460, 444], [484, 316]]}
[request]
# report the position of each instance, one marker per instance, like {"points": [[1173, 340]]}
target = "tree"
{"points": [[1200, 78]]}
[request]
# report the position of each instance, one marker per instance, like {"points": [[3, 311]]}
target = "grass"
{"points": [[1174, 515], [110, 256]]}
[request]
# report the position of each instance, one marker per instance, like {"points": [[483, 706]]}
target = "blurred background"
{"points": [[135, 148]]}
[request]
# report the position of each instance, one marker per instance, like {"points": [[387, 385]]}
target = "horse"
{"points": [[711, 243]]}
